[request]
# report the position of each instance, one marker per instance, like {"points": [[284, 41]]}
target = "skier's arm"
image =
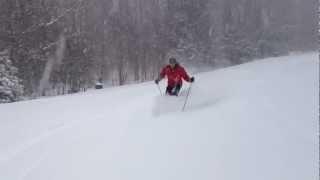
{"points": [[161, 75], [185, 75]]}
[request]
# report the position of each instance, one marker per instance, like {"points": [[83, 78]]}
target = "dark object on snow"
{"points": [[98, 86]]}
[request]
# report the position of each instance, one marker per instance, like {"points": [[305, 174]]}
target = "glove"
{"points": [[157, 81], [192, 79]]}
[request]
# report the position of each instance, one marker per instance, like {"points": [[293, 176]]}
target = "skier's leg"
{"points": [[169, 90], [177, 89]]}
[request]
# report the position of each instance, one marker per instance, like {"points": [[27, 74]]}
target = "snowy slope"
{"points": [[257, 121]]}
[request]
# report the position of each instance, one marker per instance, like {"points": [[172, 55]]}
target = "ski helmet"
{"points": [[173, 61]]}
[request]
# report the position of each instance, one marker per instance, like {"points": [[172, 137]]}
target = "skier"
{"points": [[175, 73]]}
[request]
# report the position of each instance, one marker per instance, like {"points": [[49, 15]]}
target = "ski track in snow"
{"points": [[58, 128]]}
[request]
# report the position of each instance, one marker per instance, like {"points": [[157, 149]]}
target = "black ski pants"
{"points": [[173, 90]]}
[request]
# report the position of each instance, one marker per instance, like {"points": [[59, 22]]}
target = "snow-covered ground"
{"points": [[257, 121]]}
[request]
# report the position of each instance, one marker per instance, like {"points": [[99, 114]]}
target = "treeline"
{"points": [[122, 41]]}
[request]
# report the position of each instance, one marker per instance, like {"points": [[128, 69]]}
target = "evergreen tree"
{"points": [[10, 85]]}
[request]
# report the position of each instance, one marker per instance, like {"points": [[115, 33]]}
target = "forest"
{"points": [[54, 47]]}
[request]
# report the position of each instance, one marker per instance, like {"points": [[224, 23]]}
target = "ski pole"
{"points": [[185, 102], [159, 89]]}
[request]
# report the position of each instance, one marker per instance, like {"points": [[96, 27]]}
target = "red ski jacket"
{"points": [[174, 75]]}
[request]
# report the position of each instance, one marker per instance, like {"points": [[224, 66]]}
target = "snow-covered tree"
{"points": [[10, 85]]}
